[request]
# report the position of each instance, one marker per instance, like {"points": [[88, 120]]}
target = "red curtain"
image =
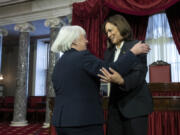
{"points": [[164, 123], [139, 25], [139, 7], [146, 7], [174, 22], [90, 15]]}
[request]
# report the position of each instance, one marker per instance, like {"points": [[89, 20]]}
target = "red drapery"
{"points": [[90, 15], [147, 7], [164, 123], [174, 22], [139, 7]]}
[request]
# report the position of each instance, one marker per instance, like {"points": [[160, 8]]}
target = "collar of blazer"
{"points": [[70, 50]]}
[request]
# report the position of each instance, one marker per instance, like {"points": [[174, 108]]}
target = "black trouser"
{"points": [[82, 130], [118, 125]]}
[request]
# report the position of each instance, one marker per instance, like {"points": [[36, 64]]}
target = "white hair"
{"points": [[66, 36]]}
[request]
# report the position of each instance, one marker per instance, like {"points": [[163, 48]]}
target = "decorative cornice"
{"points": [[35, 10], [47, 14], [24, 27], [9, 2], [3, 32]]}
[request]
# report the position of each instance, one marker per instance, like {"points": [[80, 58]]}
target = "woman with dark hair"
{"points": [[130, 102]]}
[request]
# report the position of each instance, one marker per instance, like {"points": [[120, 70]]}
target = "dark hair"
{"points": [[123, 26]]}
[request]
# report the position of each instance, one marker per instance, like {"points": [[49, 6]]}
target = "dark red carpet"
{"points": [[31, 129]]}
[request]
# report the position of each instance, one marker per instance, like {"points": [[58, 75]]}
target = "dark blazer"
{"points": [[133, 99], [76, 86]]}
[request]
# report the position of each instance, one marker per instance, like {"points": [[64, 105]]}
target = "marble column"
{"points": [[3, 32], [21, 93], [55, 24]]}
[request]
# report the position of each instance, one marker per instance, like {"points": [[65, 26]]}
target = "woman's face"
{"points": [[113, 33], [81, 43]]}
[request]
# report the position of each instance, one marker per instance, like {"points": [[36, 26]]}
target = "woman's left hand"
{"points": [[112, 76]]}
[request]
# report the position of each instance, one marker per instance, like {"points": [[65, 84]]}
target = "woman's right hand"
{"points": [[140, 48]]}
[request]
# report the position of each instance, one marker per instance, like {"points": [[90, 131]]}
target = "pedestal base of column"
{"points": [[18, 124], [46, 125]]}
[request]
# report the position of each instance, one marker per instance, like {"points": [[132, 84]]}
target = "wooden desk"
{"points": [[164, 87], [166, 96]]}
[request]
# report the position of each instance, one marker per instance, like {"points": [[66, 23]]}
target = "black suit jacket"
{"points": [[76, 86], [133, 99]]}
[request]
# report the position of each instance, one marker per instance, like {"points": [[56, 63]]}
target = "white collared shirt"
{"points": [[117, 52]]}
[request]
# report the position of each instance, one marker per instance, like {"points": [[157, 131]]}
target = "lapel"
{"points": [[124, 49], [110, 56]]}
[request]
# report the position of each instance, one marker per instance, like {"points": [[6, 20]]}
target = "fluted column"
{"points": [[55, 24], [3, 32], [21, 93]]}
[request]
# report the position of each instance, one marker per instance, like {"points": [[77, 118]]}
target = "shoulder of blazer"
{"points": [[130, 44], [73, 52], [85, 52]]}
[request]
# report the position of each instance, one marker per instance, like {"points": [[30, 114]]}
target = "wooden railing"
{"points": [[169, 102], [166, 96]]}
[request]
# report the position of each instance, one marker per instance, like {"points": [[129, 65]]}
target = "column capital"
{"points": [[3, 32], [54, 22], [24, 27], [69, 18]]}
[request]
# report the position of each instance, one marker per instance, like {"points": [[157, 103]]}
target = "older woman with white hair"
{"points": [[77, 109], [66, 38]]}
